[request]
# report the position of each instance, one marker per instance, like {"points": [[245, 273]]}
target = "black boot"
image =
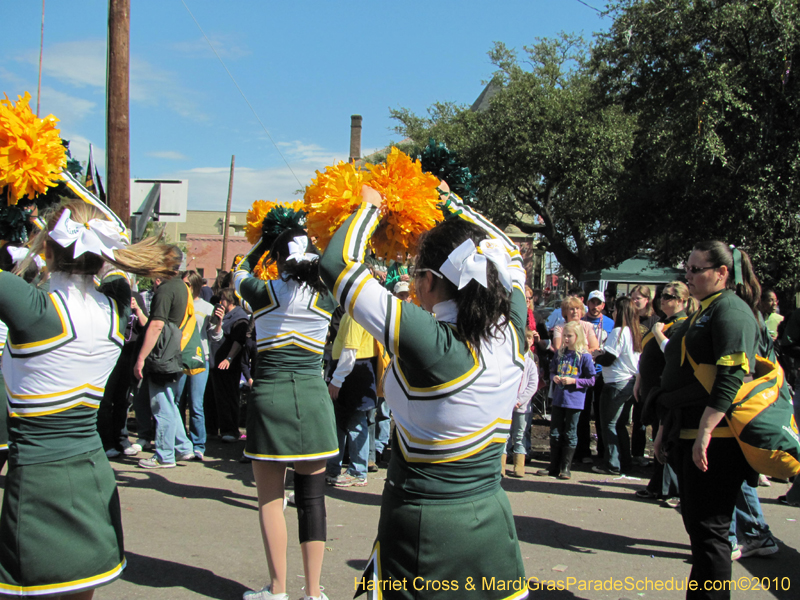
{"points": [[566, 463], [555, 459]]}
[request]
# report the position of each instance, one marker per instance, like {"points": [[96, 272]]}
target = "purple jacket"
{"points": [[582, 369]]}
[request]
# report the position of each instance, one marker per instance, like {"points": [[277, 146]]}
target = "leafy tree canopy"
{"points": [[545, 147], [713, 88]]}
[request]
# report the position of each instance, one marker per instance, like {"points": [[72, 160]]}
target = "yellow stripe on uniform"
{"points": [[64, 330], [55, 588]]}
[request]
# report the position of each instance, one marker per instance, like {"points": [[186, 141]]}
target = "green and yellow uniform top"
{"points": [[62, 345], [291, 319], [719, 343], [651, 360], [452, 405]]}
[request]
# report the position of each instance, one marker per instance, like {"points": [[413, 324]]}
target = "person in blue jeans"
{"points": [[619, 358], [169, 304], [198, 381], [353, 389], [749, 526]]}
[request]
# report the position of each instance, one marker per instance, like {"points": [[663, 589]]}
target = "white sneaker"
{"points": [[321, 596], [264, 594], [132, 450]]}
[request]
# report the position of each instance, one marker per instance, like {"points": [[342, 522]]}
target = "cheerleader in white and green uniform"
{"points": [[452, 385], [60, 528], [289, 415]]}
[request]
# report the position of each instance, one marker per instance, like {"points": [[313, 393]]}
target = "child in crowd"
{"points": [[573, 373], [521, 420]]}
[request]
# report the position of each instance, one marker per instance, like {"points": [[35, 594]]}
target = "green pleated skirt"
{"points": [[450, 551], [290, 418], [61, 527]]}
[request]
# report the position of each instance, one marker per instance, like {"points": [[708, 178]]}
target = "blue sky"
{"points": [[305, 66]]}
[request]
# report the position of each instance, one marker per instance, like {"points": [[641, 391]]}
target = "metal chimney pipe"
{"points": [[355, 138]]}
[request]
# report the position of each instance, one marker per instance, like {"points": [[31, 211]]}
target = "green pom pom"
{"points": [[278, 220], [438, 160]]}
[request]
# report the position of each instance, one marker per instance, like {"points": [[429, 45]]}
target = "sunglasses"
{"points": [[695, 270], [665, 296], [418, 271]]}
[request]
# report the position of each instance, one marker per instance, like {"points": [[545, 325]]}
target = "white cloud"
{"points": [[168, 155], [83, 64], [68, 109], [208, 186], [79, 148], [227, 46], [79, 64]]}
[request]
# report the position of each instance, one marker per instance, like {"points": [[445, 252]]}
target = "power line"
{"points": [[243, 95], [592, 7]]}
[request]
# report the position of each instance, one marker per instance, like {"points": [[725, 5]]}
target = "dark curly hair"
{"points": [[306, 272], [483, 312]]}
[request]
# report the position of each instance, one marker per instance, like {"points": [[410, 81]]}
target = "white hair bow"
{"points": [[20, 254], [469, 262], [98, 236], [297, 250]]}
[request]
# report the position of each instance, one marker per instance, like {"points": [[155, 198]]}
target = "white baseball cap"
{"points": [[401, 286], [596, 295]]}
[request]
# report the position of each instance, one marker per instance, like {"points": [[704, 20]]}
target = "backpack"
{"points": [[761, 416], [178, 349]]}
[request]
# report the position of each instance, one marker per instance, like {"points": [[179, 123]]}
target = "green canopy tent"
{"points": [[639, 269]]}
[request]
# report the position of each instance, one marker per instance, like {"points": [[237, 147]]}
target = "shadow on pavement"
{"points": [[157, 573], [545, 532], [159, 483], [352, 496]]}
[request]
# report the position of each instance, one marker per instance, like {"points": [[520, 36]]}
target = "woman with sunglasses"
{"points": [[676, 304], [707, 360], [452, 385]]}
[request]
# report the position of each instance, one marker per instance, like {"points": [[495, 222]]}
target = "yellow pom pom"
{"points": [[330, 199], [265, 272], [258, 212], [410, 204], [31, 153]]}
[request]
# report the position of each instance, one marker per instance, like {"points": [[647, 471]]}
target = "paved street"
{"points": [[192, 532]]}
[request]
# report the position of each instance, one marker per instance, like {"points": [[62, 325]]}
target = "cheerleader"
{"points": [[289, 415], [457, 363], [60, 528]]}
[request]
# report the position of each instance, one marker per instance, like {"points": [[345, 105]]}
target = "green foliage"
{"points": [[712, 86], [545, 147]]}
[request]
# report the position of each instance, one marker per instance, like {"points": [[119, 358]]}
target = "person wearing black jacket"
{"points": [[233, 324]]}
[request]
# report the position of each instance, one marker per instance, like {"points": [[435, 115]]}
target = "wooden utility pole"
{"points": [[227, 219], [118, 160]]}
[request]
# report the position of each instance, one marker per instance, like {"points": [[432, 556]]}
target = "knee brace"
{"points": [[309, 498]]}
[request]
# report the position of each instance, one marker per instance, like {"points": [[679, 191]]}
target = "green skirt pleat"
{"points": [[452, 547], [290, 417], [61, 526]]}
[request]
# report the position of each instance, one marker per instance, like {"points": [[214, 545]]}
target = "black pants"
{"points": [[707, 501], [225, 392], [639, 430], [113, 411], [592, 405]]}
